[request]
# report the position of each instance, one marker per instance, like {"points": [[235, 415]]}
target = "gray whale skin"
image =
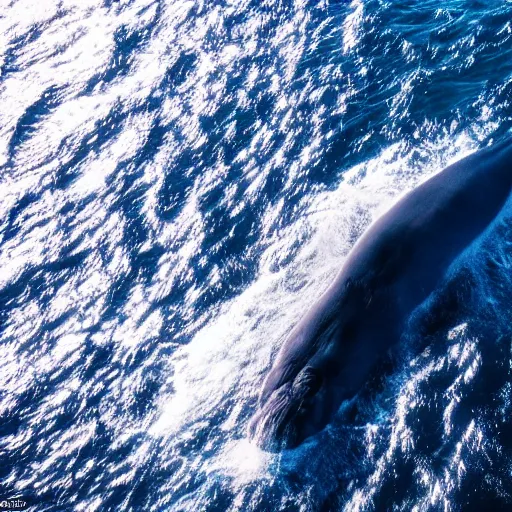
{"points": [[392, 268]]}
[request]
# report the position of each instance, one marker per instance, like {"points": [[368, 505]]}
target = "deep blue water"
{"points": [[180, 180]]}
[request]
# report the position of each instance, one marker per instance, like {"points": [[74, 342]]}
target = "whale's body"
{"points": [[393, 267]]}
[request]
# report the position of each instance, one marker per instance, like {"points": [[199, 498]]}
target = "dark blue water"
{"points": [[180, 181]]}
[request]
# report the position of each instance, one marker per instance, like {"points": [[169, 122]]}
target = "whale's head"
{"points": [[310, 378], [290, 411]]}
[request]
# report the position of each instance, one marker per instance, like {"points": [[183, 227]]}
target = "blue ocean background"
{"points": [[180, 180]]}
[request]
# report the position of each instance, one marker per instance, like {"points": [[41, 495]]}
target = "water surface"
{"points": [[180, 180]]}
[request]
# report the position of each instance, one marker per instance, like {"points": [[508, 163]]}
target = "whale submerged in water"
{"points": [[393, 268]]}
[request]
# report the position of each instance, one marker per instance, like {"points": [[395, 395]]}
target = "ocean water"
{"points": [[179, 181]]}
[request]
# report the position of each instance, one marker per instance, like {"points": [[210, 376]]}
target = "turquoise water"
{"points": [[180, 181]]}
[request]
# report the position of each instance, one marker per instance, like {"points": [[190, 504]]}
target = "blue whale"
{"points": [[395, 265]]}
